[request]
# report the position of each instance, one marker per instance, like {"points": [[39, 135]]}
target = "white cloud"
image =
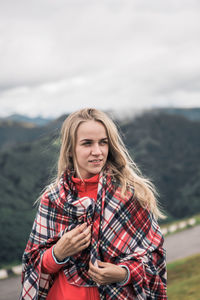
{"points": [[57, 56]]}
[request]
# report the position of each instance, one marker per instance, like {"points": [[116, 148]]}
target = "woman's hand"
{"points": [[107, 273], [73, 242]]}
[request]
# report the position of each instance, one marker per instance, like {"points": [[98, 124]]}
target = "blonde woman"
{"points": [[95, 235]]}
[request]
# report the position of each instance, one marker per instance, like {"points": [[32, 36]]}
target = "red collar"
{"points": [[93, 179]]}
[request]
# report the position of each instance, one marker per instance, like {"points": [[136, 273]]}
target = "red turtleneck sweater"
{"points": [[61, 289]]}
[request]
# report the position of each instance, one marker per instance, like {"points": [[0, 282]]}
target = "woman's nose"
{"points": [[96, 150]]}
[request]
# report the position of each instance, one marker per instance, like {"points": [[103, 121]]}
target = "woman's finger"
{"points": [[91, 266], [80, 228], [84, 242], [98, 278], [95, 270], [92, 273], [83, 237]]}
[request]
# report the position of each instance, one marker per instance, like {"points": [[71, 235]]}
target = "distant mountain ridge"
{"points": [[18, 132], [39, 121], [192, 114]]}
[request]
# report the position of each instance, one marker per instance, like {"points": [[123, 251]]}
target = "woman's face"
{"points": [[91, 148]]}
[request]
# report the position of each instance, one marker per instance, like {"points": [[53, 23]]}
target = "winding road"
{"points": [[178, 245]]}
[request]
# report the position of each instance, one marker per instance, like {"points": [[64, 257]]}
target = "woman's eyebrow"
{"points": [[89, 140], [85, 140]]}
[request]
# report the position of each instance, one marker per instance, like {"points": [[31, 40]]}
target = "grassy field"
{"points": [[184, 279]]}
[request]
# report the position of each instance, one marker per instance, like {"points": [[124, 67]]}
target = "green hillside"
{"points": [[184, 278], [167, 149], [25, 171], [14, 133]]}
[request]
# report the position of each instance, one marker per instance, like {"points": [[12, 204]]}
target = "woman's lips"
{"points": [[96, 161]]}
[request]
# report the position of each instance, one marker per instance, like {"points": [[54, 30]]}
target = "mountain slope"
{"points": [[16, 133], [167, 148]]}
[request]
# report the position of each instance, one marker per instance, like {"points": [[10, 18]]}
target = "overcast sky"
{"points": [[59, 56]]}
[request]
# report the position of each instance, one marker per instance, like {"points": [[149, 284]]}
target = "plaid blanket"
{"points": [[122, 232]]}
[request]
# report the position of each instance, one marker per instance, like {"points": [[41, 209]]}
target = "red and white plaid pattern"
{"points": [[122, 233]]}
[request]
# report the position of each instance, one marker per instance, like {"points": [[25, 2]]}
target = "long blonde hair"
{"points": [[120, 163]]}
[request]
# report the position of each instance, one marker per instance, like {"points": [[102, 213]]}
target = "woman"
{"points": [[95, 235]]}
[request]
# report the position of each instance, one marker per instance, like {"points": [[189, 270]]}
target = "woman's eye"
{"points": [[87, 143], [104, 142]]}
